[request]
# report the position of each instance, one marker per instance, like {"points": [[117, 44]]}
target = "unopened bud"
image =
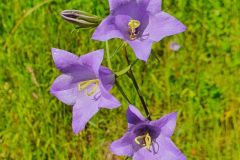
{"points": [[81, 18]]}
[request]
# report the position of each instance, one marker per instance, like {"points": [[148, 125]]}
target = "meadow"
{"points": [[200, 81]]}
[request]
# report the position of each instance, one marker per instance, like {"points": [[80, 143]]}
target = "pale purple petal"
{"points": [[107, 77], [64, 89], [134, 9], [144, 154], [63, 59], [121, 22], [134, 116], [107, 30], [166, 123], [168, 149], [113, 4], [107, 100], [154, 6], [92, 60], [85, 108], [162, 25], [142, 48], [82, 73], [162, 149], [123, 146]]}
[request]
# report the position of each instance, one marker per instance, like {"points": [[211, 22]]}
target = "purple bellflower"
{"points": [[148, 140], [174, 46], [139, 23], [85, 84]]}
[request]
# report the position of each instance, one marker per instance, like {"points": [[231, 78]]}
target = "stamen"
{"points": [[84, 84], [146, 139], [133, 25]]}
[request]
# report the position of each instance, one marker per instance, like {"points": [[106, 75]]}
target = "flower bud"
{"points": [[81, 18]]}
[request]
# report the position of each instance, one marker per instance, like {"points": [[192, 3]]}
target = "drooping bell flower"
{"points": [[148, 140], [84, 83], [139, 23]]}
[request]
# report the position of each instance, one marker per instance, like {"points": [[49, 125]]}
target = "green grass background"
{"points": [[200, 81]]}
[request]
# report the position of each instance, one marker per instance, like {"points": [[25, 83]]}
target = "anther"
{"points": [[133, 25], [147, 141], [85, 84]]}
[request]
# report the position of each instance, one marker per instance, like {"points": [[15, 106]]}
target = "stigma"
{"points": [[144, 140], [133, 25], [89, 86]]}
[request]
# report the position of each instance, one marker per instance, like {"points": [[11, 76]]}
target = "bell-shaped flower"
{"points": [[148, 140], [139, 23], [84, 83]]}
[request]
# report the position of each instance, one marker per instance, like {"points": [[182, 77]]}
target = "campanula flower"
{"points": [[174, 46], [148, 140], [84, 83], [139, 23]]}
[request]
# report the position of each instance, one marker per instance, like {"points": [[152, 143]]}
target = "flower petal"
{"points": [[65, 89], [92, 60], [121, 23], [107, 30], [108, 100], [113, 4], [134, 116], [63, 60], [107, 77], [136, 9], [169, 150], [144, 154], [154, 6], [142, 49], [166, 123], [163, 149], [123, 146], [85, 108], [162, 25]]}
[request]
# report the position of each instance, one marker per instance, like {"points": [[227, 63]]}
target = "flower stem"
{"points": [[122, 92], [122, 44], [132, 77], [116, 82], [108, 56]]}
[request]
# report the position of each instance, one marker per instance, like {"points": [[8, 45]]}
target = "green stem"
{"points": [[110, 67], [132, 77], [122, 44], [108, 56], [122, 92]]}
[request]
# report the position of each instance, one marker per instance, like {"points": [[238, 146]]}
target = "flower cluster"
{"points": [[85, 83]]}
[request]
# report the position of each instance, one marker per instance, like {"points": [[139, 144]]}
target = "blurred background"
{"points": [[200, 81]]}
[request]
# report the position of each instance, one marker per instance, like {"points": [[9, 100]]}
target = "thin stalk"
{"points": [[116, 82], [108, 56], [122, 44], [122, 92], [132, 77]]}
